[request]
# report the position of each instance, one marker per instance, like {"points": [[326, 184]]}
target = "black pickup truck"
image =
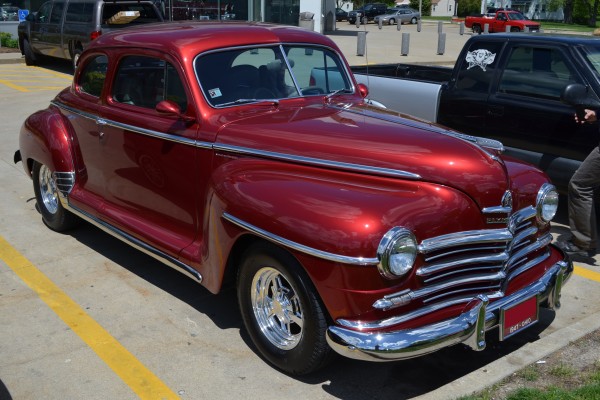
{"points": [[506, 87]]}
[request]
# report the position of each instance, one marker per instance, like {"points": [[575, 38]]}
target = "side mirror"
{"points": [[363, 90], [577, 95], [170, 108]]}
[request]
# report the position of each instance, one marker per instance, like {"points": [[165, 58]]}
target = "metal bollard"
{"points": [[405, 44], [507, 28], [380, 22], [486, 28], [357, 22], [461, 28], [361, 43], [441, 43], [526, 29], [440, 27], [365, 20], [398, 25], [419, 26]]}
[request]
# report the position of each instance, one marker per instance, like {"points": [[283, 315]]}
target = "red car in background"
{"points": [[247, 151]]}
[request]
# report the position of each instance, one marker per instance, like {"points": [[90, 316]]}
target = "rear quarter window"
{"points": [[93, 75], [80, 12]]}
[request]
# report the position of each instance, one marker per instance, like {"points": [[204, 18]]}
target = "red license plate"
{"points": [[518, 317]]}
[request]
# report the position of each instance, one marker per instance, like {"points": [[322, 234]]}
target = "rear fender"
{"points": [[45, 137]]}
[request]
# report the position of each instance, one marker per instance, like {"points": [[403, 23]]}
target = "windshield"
{"points": [[592, 54], [270, 73]]}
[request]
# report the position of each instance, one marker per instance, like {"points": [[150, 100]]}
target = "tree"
{"points": [[425, 6], [468, 7]]}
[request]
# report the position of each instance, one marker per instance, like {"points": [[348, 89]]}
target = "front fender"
{"points": [[45, 138]]}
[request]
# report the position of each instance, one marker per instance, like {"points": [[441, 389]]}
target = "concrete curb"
{"points": [[494, 372], [11, 58]]}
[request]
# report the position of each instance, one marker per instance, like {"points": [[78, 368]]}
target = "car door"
{"points": [[52, 37], [463, 104], [38, 27], [526, 114], [151, 160]]}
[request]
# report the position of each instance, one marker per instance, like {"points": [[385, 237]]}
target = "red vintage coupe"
{"points": [[248, 151]]}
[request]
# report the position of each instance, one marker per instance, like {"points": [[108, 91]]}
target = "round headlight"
{"points": [[397, 252], [546, 202]]}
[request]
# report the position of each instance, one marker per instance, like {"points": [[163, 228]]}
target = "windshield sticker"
{"points": [[481, 58], [213, 93]]}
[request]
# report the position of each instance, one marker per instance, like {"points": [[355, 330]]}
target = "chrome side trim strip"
{"points": [[300, 247], [318, 162], [136, 243], [141, 131]]}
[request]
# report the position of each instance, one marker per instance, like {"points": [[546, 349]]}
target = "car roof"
{"points": [[189, 38]]}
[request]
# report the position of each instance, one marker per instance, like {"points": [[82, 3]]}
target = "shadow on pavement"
{"points": [[343, 378]]}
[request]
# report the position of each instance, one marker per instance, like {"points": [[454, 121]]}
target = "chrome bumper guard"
{"points": [[469, 328]]}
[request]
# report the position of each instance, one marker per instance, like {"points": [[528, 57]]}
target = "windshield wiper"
{"points": [[336, 92], [258, 102]]}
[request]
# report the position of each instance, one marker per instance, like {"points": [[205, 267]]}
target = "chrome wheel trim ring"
{"points": [[277, 308], [48, 190]]}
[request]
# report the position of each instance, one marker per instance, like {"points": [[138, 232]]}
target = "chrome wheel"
{"points": [[277, 308], [48, 190], [281, 310]]}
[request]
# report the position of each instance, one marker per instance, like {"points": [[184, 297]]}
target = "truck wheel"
{"points": [[477, 29], [515, 29], [281, 311], [46, 194], [30, 58]]}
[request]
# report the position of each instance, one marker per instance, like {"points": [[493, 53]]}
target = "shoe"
{"points": [[573, 250]]}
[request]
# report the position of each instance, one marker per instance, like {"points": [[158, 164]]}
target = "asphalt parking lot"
{"points": [[83, 316]]}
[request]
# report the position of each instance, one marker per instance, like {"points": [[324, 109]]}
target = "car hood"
{"points": [[370, 140]]}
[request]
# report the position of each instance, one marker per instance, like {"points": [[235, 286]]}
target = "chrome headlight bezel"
{"points": [[546, 203], [397, 252]]}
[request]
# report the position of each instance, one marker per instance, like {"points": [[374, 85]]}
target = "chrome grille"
{"points": [[466, 264], [64, 182]]}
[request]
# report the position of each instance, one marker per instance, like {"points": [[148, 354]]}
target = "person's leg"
{"points": [[582, 216]]}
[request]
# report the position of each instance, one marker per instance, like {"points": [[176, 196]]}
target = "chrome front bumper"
{"points": [[469, 328]]}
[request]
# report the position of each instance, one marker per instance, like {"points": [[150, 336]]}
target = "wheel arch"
{"points": [[51, 147]]}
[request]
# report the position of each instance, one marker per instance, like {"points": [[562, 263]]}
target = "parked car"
{"points": [[500, 20], [62, 28], [9, 13], [341, 15], [506, 87], [345, 227], [402, 16], [369, 11]]}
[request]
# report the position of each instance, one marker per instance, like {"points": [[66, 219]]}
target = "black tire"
{"points": [[75, 59], [392, 21], [30, 57], [413, 20], [281, 310], [53, 213], [515, 29], [477, 29]]}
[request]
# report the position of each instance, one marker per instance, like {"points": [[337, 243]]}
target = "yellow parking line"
{"points": [[586, 273], [13, 86], [141, 380]]}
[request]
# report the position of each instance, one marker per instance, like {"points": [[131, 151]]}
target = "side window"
{"points": [[478, 67], [79, 12], [91, 79], [317, 71], [43, 14], [536, 72], [145, 81], [57, 12]]}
